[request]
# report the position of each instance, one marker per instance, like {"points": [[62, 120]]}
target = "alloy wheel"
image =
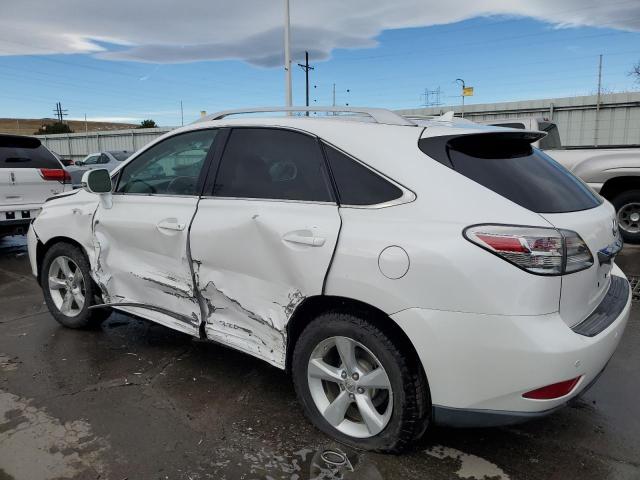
{"points": [[66, 286], [350, 387]]}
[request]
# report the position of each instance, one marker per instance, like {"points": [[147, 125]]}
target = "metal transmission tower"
{"points": [[60, 112], [306, 69], [431, 98]]}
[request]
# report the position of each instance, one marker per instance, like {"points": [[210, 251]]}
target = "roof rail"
{"points": [[379, 115]]}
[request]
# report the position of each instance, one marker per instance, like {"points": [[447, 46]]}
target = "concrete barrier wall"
{"points": [[618, 121]]}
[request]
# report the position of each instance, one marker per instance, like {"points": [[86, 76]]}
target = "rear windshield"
{"points": [[25, 152], [506, 163]]}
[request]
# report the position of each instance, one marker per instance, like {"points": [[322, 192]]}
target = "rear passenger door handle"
{"points": [[170, 225], [304, 237]]}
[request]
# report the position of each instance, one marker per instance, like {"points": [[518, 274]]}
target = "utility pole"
{"points": [[181, 114], [334, 94], [306, 69], [60, 112], [287, 54], [597, 126]]}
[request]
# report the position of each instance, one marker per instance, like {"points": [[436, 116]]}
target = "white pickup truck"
{"points": [[613, 171], [29, 174]]}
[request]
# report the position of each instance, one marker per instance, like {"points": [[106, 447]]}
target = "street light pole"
{"points": [[287, 54], [463, 85]]}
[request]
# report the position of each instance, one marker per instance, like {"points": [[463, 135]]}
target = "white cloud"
{"points": [[166, 31]]}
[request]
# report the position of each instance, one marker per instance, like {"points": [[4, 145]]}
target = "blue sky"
{"points": [[504, 58]]}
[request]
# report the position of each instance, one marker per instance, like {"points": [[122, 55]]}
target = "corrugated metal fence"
{"points": [[618, 120], [78, 145]]}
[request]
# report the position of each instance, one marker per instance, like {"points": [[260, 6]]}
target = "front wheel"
{"points": [[627, 205], [68, 288], [357, 385]]}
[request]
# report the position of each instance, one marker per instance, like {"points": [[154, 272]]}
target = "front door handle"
{"points": [[304, 237], [170, 224]]}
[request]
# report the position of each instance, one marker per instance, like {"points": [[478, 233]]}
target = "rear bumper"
{"points": [[478, 366]]}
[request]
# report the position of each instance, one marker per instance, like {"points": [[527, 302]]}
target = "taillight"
{"points": [[55, 174], [555, 390], [543, 251]]}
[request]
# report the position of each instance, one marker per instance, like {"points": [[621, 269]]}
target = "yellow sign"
{"points": [[467, 92]]}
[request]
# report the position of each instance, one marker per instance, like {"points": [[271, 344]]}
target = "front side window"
{"points": [[357, 184], [171, 167], [274, 164]]}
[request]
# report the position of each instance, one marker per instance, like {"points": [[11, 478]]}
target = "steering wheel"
{"points": [[150, 187], [181, 185]]}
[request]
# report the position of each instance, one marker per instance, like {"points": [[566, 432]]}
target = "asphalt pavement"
{"points": [[135, 400]]}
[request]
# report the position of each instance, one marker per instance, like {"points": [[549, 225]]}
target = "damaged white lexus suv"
{"points": [[406, 275]]}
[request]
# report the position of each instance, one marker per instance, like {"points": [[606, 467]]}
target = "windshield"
{"points": [[121, 156], [552, 140]]}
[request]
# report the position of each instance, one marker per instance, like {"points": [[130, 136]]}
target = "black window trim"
{"points": [[407, 196], [117, 174], [215, 171]]}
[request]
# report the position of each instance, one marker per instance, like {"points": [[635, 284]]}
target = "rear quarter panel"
{"points": [[446, 272]]}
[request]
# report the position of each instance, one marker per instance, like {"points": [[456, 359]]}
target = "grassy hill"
{"points": [[28, 126]]}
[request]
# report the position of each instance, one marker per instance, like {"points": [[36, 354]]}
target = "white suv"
{"points": [[29, 174], [447, 273]]}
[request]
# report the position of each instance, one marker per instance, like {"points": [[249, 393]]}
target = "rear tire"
{"points": [[68, 289], [385, 417], [627, 205]]}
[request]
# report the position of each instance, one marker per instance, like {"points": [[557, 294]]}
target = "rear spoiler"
{"points": [[19, 141]]}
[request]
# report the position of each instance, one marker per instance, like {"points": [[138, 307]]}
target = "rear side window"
{"points": [[506, 163], [275, 164], [25, 152], [357, 184]]}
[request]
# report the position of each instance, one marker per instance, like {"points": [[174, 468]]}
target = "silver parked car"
{"points": [[108, 160]]}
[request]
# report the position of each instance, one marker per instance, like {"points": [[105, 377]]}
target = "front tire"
{"points": [[627, 205], [68, 289], [355, 384]]}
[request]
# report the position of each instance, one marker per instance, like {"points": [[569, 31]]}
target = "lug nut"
{"points": [[343, 374], [352, 396], [355, 376], [360, 390]]}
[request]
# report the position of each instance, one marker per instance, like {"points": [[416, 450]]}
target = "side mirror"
{"points": [[98, 181]]}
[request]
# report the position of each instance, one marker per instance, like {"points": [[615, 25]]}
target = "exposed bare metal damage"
{"points": [[250, 276]]}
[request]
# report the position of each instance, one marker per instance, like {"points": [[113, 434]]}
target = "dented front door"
{"points": [[143, 264], [263, 239]]}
